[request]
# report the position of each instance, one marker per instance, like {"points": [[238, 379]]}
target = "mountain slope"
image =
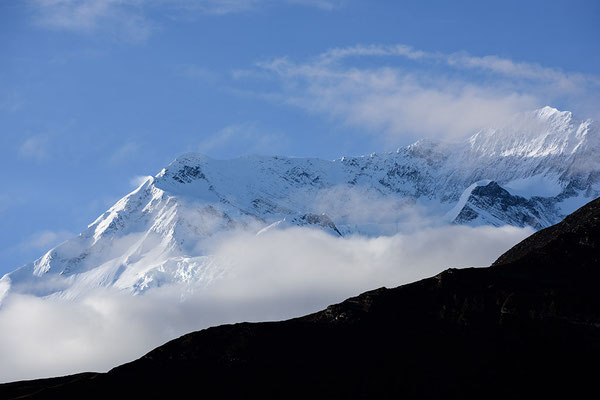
{"points": [[493, 205], [527, 326], [538, 167]]}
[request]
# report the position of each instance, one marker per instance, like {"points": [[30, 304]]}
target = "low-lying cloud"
{"points": [[275, 275]]}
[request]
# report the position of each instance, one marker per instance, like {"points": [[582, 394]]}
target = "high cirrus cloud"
{"points": [[402, 91], [130, 20], [276, 275]]}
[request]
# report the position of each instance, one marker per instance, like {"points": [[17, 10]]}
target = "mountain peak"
{"points": [[547, 113], [142, 240], [543, 132]]}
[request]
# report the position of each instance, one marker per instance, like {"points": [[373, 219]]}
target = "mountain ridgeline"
{"points": [[534, 170], [526, 327]]}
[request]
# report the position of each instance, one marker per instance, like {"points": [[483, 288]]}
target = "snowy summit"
{"points": [[534, 170]]}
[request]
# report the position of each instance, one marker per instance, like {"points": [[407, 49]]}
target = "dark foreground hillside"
{"points": [[529, 326]]}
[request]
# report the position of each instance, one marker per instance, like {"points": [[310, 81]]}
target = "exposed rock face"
{"points": [[527, 327], [321, 220], [492, 204]]}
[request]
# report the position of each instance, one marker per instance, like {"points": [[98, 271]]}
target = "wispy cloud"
{"points": [[11, 101], [122, 19], [129, 20], [124, 151], [222, 7], [491, 64], [244, 138], [44, 240], [35, 148], [136, 181], [322, 4], [403, 91]]}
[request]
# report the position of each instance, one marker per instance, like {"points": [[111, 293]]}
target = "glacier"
{"points": [[532, 171]]}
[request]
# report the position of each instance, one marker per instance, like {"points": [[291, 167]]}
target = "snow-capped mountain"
{"points": [[532, 171]]}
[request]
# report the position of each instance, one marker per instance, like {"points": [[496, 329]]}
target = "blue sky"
{"points": [[94, 94]]}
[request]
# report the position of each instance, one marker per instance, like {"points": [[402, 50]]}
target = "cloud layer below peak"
{"points": [[276, 275]]}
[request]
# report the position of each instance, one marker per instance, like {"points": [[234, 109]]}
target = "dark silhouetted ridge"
{"points": [[527, 327]]}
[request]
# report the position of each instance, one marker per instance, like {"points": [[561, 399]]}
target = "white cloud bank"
{"points": [[272, 276]]}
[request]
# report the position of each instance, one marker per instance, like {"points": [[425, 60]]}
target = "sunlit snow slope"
{"points": [[533, 171]]}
